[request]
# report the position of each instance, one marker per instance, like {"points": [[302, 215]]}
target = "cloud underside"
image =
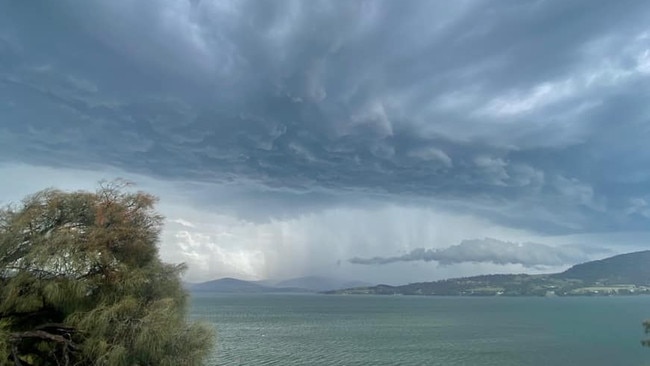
{"points": [[531, 116], [494, 251], [472, 102]]}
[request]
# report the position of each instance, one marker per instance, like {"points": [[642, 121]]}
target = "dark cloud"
{"points": [[496, 252], [530, 113]]}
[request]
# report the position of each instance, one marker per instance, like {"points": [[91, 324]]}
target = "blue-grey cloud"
{"points": [[529, 113], [497, 252]]}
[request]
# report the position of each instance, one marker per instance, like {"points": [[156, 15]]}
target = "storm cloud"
{"points": [[527, 119]]}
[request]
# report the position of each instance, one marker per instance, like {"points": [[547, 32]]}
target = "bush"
{"points": [[81, 283]]}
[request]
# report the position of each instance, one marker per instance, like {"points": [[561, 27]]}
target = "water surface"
{"points": [[281, 329]]}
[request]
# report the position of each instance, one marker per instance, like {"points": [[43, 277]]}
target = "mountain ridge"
{"points": [[623, 274], [301, 284]]}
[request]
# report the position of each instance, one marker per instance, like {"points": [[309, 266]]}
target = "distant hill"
{"points": [[302, 284], [226, 285], [624, 274], [233, 285], [630, 268], [315, 283]]}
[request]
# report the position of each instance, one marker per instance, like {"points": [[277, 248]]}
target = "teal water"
{"points": [[274, 329]]}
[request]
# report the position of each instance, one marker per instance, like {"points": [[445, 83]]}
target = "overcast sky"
{"points": [[386, 141]]}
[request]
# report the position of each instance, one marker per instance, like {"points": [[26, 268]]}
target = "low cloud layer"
{"points": [[496, 252]]}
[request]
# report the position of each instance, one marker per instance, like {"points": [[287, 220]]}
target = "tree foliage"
{"points": [[81, 283]]}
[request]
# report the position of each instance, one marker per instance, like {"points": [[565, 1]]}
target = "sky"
{"points": [[383, 141]]}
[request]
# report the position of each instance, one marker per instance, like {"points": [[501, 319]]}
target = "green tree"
{"points": [[81, 283]]}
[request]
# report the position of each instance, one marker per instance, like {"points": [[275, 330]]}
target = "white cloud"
{"points": [[578, 192], [638, 205], [373, 115], [182, 222], [432, 154], [495, 251], [495, 169], [539, 96]]}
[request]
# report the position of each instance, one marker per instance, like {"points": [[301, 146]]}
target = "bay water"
{"points": [[314, 329]]}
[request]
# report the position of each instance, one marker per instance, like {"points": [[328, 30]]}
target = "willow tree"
{"points": [[81, 283]]}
